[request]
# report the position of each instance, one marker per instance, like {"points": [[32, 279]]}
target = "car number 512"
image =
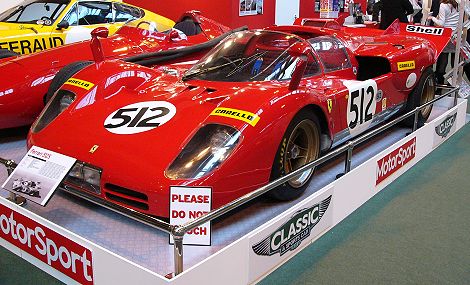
{"points": [[139, 117], [361, 104]]}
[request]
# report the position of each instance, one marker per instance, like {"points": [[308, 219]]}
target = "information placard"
{"points": [[189, 203], [39, 174]]}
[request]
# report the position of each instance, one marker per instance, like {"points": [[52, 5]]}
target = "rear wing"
{"points": [[317, 22], [436, 36]]}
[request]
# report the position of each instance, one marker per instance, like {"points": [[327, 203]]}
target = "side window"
{"points": [[72, 16], [92, 13], [313, 67], [125, 13], [331, 52]]}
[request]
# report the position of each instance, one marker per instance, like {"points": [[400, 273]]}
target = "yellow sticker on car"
{"points": [[406, 65], [80, 83], [241, 115]]}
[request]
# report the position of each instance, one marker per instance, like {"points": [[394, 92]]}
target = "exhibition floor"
{"points": [[414, 232]]}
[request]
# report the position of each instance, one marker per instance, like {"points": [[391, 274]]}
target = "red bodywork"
{"points": [[138, 162], [22, 95]]}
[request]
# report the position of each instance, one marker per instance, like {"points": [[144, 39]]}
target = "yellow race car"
{"points": [[36, 25]]}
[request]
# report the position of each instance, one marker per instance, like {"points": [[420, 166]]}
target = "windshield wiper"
{"points": [[249, 60], [205, 70]]}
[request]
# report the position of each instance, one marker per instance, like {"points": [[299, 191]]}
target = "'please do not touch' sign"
{"points": [[189, 203]]}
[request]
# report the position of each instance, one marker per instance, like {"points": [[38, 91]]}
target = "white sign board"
{"points": [[39, 174], [189, 203]]}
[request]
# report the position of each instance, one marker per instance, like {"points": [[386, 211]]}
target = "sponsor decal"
{"points": [[395, 160], [406, 65], [32, 45], [139, 117], [50, 247], [80, 83], [241, 115], [424, 30], [94, 148], [330, 105], [362, 101], [379, 95], [290, 235], [444, 128], [384, 104]]}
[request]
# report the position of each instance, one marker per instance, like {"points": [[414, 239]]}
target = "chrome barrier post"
{"points": [[456, 95], [415, 121], [178, 233], [178, 251], [347, 165]]}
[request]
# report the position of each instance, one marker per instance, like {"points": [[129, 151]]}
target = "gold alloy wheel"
{"points": [[426, 96], [303, 147]]}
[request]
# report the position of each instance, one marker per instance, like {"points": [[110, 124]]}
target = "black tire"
{"points": [[5, 53], [63, 75], [304, 133], [422, 93]]}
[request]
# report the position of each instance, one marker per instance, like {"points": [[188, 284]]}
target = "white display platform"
{"points": [[255, 254]]}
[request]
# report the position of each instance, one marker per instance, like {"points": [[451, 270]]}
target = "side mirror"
{"points": [[96, 47], [100, 32], [63, 25], [298, 72], [173, 35], [301, 51]]}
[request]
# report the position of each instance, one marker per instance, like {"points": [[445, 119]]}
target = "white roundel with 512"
{"points": [[361, 106], [139, 117]]}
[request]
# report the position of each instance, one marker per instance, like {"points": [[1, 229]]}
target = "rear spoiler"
{"points": [[317, 22], [437, 36]]}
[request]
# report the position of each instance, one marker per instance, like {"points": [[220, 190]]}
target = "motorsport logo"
{"points": [[395, 160], [443, 129], [290, 235], [48, 246]]}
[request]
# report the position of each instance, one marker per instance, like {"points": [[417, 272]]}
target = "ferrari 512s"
{"points": [[259, 105]]}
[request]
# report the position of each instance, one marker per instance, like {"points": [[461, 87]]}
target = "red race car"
{"points": [[23, 95], [259, 105]]}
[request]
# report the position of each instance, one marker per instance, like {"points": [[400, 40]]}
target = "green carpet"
{"points": [[416, 231]]}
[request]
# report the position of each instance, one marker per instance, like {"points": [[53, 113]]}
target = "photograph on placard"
{"points": [[250, 7]]}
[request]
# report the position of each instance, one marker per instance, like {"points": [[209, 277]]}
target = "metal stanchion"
{"points": [[415, 121], [347, 164], [178, 253]]}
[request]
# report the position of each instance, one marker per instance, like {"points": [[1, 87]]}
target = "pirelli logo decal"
{"points": [[244, 116], [80, 83], [406, 65]]}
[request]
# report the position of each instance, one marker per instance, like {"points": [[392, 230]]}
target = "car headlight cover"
{"points": [[209, 147], [59, 102], [85, 176]]}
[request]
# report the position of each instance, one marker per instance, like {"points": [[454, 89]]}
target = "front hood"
{"points": [[181, 109]]}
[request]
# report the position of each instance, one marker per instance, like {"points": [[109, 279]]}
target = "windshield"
{"points": [[34, 12], [248, 56], [146, 28]]}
